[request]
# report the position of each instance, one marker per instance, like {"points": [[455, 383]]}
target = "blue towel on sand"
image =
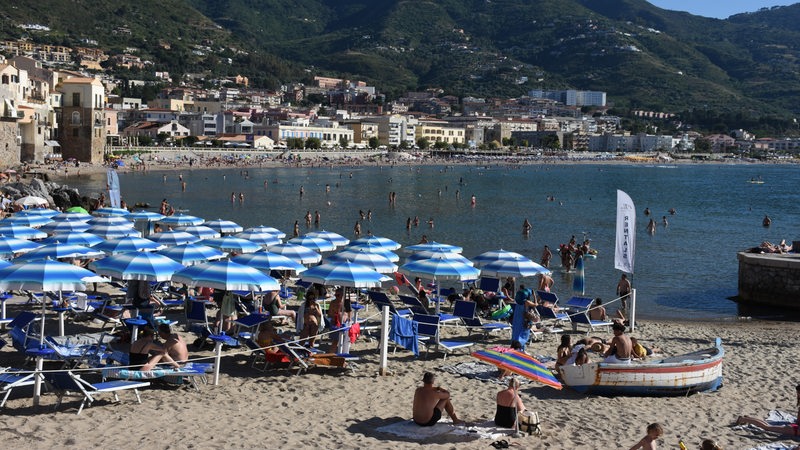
{"points": [[404, 333]]}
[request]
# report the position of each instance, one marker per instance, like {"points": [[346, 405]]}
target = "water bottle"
{"points": [[681, 445]]}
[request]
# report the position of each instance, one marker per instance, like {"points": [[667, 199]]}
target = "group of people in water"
{"points": [[569, 252]]}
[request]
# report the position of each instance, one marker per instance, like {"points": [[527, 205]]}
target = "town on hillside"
{"points": [[51, 114]]}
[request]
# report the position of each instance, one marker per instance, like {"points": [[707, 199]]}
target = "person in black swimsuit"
{"points": [[509, 405]]}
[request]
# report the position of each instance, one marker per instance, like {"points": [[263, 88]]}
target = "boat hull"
{"points": [[679, 375]]}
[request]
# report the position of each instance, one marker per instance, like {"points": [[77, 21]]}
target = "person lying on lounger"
{"points": [[787, 429]]}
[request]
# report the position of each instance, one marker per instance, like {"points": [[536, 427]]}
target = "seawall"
{"points": [[769, 279]]}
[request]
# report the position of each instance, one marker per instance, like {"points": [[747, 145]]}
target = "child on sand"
{"points": [[648, 442]]}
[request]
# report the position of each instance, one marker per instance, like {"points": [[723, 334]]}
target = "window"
{"points": [[76, 118], [76, 99], [75, 132]]}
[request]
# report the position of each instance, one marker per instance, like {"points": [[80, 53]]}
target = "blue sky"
{"points": [[718, 8]]}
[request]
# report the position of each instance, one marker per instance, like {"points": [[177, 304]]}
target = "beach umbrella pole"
{"points": [[383, 369], [37, 380], [632, 318], [217, 359]]}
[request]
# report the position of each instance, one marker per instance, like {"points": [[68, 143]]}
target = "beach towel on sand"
{"points": [[404, 333], [409, 429]]}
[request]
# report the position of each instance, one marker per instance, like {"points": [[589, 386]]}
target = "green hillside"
{"points": [[643, 56]]}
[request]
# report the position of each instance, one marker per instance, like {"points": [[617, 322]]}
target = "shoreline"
{"points": [[344, 409]]}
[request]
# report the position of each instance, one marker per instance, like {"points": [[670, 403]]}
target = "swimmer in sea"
{"points": [[526, 227]]}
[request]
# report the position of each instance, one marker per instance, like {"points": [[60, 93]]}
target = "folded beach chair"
{"points": [[465, 311], [429, 326], [578, 308], [73, 355], [12, 378], [67, 383], [303, 358]]}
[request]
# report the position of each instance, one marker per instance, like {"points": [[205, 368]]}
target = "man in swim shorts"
{"points": [[429, 402], [620, 350]]}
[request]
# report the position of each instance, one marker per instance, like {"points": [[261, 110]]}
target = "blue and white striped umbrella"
{"points": [[46, 212], [440, 269], [269, 230], [113, 231], [427, 254], [143, 215], [72, 216], [232, 244], [44, 275], [303, 255], [374, 261], [109, 220], [75, 237], [137, 266], [59, 250], [109, 211], [378, 241], [181, 220], [226, 275], [371, 248], [64, 226], [435, 247], [517, 268], [189, 254], [201, 231], [41, 276], [495, 255], [32, 221], [335, 238], [262, 239], [267, 261], [173, 238], [10, 246], [4, 263], [128, 244], [344, 273], [21, 232], [224, 226], [317, 244]]}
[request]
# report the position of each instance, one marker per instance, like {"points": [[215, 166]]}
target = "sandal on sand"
{"points": [[500, 444]]}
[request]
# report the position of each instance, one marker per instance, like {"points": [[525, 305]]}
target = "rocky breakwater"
{"points": [[770, 279], [57, 195]]}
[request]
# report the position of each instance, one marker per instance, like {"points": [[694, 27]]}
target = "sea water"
{"points": [[687, 269]]}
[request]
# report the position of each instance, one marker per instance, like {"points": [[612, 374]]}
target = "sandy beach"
{"points": [[331, 408]]}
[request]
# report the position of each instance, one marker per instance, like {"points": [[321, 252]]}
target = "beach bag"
{"points": [[528, 422]]}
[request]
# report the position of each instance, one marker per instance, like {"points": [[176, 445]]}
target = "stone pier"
{"points": [[770, 279]]}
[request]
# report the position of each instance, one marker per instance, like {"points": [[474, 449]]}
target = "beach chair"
{"points": [[579, 314], [108, 314], [547, 298], [380, 299], [465, 311], [417, 307], [73, 356], [22, 331], [549, 314], [303, 358], [11, 379], [169, 375], [429, 326], [403, 332], [487, 284], [67, 383]]}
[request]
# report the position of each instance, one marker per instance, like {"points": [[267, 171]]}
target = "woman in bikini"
{"points": [[312, 315]]}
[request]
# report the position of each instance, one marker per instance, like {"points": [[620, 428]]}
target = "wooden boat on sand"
{"points": [[698, 371]]}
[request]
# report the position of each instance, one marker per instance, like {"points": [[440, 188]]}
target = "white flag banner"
{"points": [[113, 188], [626, 233]]}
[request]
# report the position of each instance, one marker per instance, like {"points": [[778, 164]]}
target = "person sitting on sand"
{"points": [[429, 402], [620, 350], [648, 442], [174, 345], [509, 405], [564, 350], [790, 429], [709, 444]]}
